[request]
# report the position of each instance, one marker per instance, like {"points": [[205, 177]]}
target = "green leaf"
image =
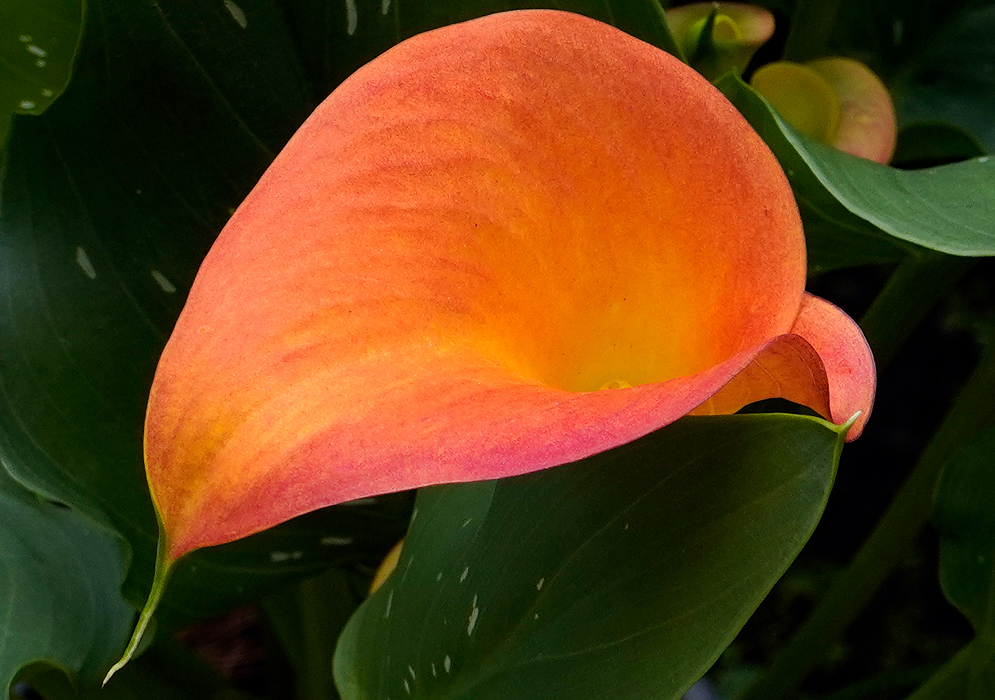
{"points": [[953, 82], [358, 535], [933, 143], [965, 519], [59, 589], [947, 208], [935, 57], [102, 235], [37, 47], [623, 575]]}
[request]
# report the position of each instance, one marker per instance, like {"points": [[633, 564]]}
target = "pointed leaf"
{"points": [[947, 208], [621, 576], [37, 48]]}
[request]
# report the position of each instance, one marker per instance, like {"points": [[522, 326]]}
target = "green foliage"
{"points": [[502, 586], [59, 581], [37, 48], [111, 191], [965, 520], [870, 212]]}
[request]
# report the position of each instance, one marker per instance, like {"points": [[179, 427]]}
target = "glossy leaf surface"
{"points": [[59, 582], [947, 208], [37, 48], [964, 517], [623, 575]]}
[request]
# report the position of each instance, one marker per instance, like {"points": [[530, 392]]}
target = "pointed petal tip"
{"points": [[847, 358]]}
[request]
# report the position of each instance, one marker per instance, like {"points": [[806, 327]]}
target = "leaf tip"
{"points": [[163, 568]]}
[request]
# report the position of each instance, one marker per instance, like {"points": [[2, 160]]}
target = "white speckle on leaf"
{"points": [[384, 6], [26, 104], [983, 159], [277, 557], [332, 540], [237, 14], [46, 92], [83, 260], [474, 614], [162, 280], [467, 522], [536, 616], [438, 577], [434, 673], [411, 671], [540, 583], [351, 16], [37, 51], [390, 603], [407, 686], [40, 63], [296, 555], [447, 663], [462, 576], [24, 38]]}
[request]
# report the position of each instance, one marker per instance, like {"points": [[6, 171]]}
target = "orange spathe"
{"points": [[469, 239]]}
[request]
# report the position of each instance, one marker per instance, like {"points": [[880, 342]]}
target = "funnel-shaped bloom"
{"points": [[837, 101], [737, 31], [501, 246]]}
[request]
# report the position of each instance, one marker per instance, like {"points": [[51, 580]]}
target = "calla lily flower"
{"points": [[502, 246], [738, 30], [837, 101]]}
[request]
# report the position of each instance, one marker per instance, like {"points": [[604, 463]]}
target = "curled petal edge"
{"points": [[446, 418], [824, 363]]}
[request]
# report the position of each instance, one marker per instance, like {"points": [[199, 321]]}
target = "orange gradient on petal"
{"points": [[469, 238]]}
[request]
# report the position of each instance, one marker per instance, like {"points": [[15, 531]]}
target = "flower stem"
{"points": [[891, 540], [914, 288]]}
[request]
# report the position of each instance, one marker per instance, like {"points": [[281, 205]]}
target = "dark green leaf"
{"points": [[935, 56], [59, 589], [37, 47], [358, 535], [622, 576], [965, 519], [102, 235], [167, 671], [948, 208], [932, 143]]}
